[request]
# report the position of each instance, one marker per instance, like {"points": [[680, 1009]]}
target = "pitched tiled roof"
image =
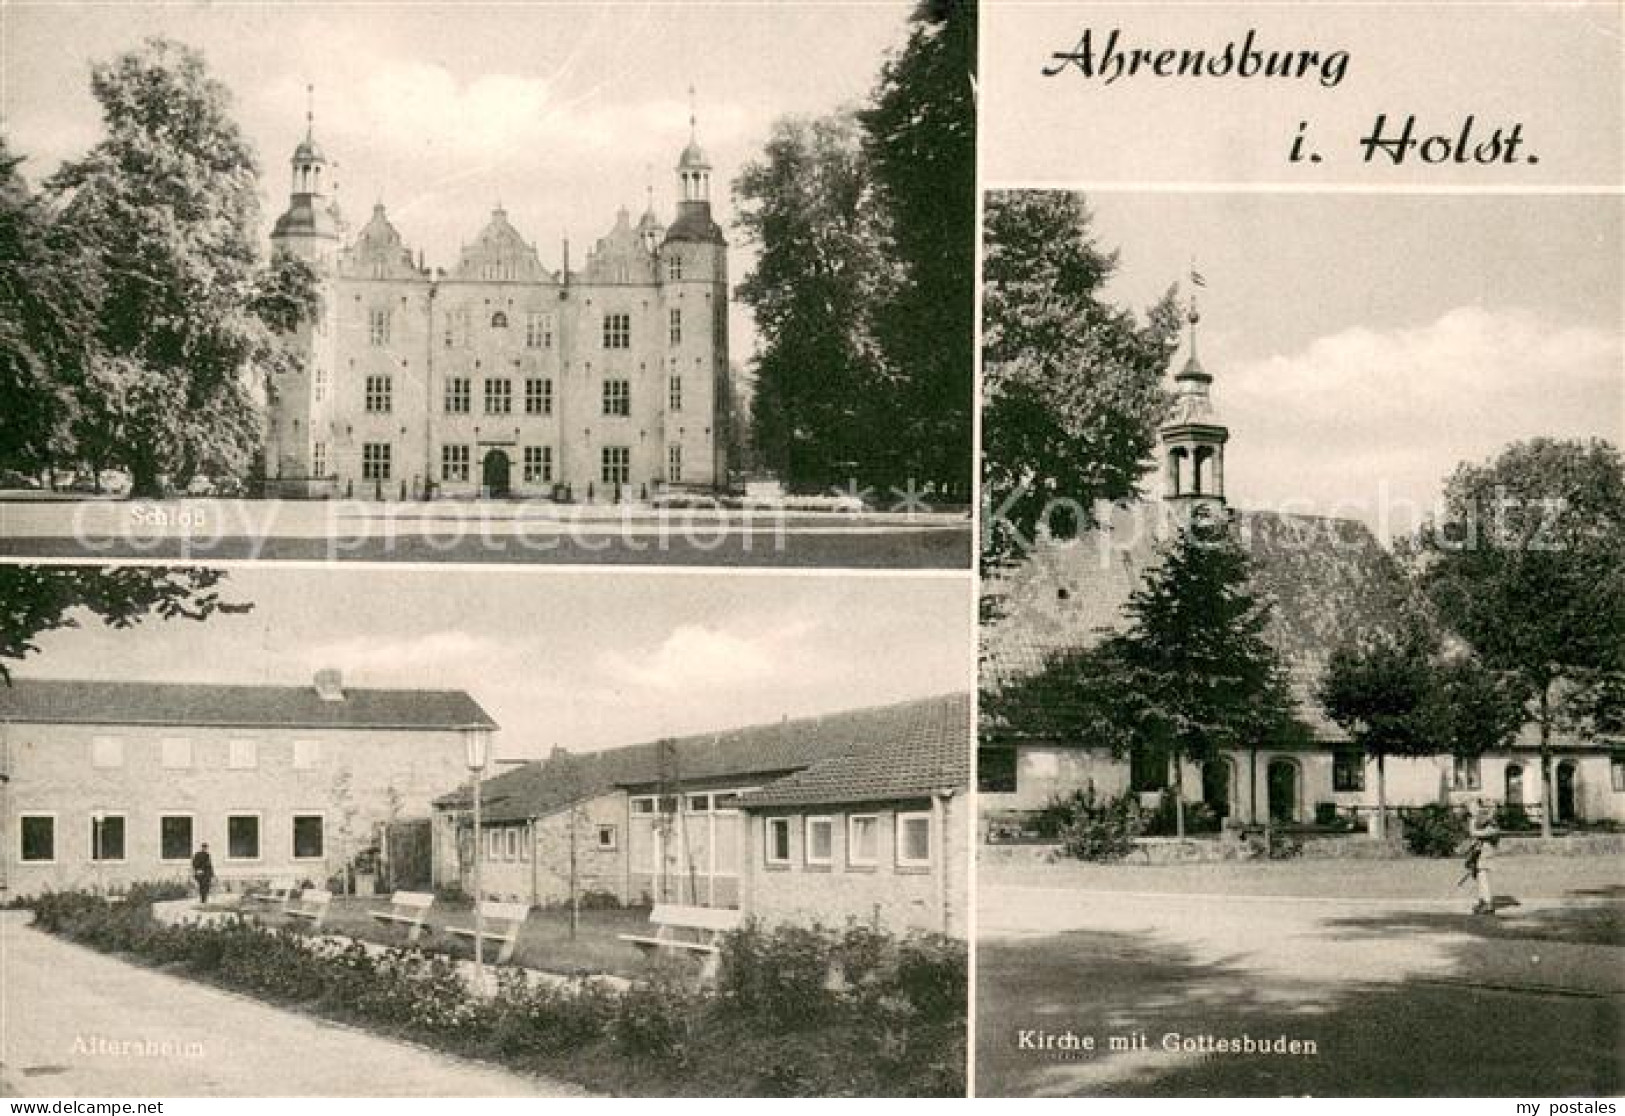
{"points": [[757, 752], [931, 757], [54, 701], [1329, 579]]}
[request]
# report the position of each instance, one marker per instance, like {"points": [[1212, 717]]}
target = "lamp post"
{"points": [[477, 741]]}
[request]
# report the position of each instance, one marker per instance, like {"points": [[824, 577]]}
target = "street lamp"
{"points": [[477, 741]]}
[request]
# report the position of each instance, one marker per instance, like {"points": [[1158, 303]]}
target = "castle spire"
{"points": [[1193, 437], [310, 112]]}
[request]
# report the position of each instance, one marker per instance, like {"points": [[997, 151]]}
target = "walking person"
{"points": [[1486, 835], [203, 873]]}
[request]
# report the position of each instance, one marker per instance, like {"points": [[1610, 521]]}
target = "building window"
{"points": [[538, 330], [676, 327], [513, 842], [996, 770], [454, 463], [175, 837], [1616, 772], [674, 267], [318, 459], [307, 837], [1348, 770], [457, 395], [643, 805], [493, 844], [617, 465], [106, 751], [306, 754], [457, 330], [242, 837], [674, 393], [617, 331], [498, 397], [37, 838], [862, 840], [176, 753], [243, 755], [378, 328], [913, 840], [375, 461], [107, 837], [674, 464], [778, 840], [820, 840], [538, 465], [538, 397], [499, 320], [1465, 773], [608, 838], [617, 397], [380, 395], [321, 382]]}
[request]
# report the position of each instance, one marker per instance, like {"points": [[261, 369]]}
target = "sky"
{"points": [[1362, 345], [583, 661], [561, 112]]}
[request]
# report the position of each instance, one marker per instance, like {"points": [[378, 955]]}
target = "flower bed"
{"points": [[796, 1011]]}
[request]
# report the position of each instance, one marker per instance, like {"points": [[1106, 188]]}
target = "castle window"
{"points": [[538, 397], [457, 330], [498, 397], [676, 327], [37, 838], [674, 464], [457, 395], [1348, 770], [375, 461], [320, 382], [378, 327], [617, 397], [617, 465], [454, 463], [538, 330], [318, 459], [499, 320], [617, 331], [674, 394], [107, 837], [538, 465], [674, 267], [380, 395]]}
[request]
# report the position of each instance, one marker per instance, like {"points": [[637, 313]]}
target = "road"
{"points": [[480, 532], [76, 1023], [1390, 996]]}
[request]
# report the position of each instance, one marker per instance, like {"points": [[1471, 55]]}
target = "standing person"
{"points": [[203, 873], [1485, 836]]}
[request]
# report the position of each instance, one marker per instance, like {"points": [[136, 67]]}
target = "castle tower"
{"points": [[308, 227], [1191, 441]]}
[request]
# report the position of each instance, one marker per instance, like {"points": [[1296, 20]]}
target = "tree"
{"points": [[822, 383], [920, 137], [1071, 392], [166, 210], [1527, 564], [36, 599]]}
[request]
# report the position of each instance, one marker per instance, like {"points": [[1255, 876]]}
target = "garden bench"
{"points": [[694, 929], [277, 891], [408, 909], [502, 923], [311, 903]]}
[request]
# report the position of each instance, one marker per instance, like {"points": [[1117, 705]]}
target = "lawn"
{"points": [[544, 940]]}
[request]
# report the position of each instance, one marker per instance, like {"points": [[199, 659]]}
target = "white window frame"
{"points": [[233, 762], [455, 459], [617, 397], [498, 395], [106, 761], [259, 837], [293, 836], [379, 394], [930, 839], [165, 815], [613, 833], [674, 392], [537, 465], [169, 757], [307, 754], [538, 395], [510, 843], [1466, 773], [770, 824], [643, 805], [377, 461], [56, 835], [493, 843], [674, 323], [807, 846], [459, 395], [124, 822], [852, 856]]}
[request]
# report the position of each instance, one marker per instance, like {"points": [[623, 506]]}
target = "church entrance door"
{"points": [[495, 477]]}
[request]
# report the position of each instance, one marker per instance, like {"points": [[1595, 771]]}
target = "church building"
{"points": [[502, 376]]}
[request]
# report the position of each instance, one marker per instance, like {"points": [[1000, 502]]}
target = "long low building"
{"points": [[109, 783], [687, 820]]}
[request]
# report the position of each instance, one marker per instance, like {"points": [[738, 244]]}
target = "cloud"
{"points": [[447, 657], [1369, 423], [701, 659]]}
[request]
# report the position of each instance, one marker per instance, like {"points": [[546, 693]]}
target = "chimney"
{"points": [[329, 685]]}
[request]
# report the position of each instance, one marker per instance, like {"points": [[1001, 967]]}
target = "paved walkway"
{"points": [[74, 1022]]}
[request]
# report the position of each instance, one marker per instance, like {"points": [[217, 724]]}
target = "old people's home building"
{"points": [[112, 782]]}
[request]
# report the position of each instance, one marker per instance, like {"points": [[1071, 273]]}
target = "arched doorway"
{"points": [[495, 474], [1217, 778], [1282, 780], [1567, 797]]}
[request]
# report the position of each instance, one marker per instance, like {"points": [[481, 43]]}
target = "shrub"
{"points": [[1097, 829], [1164, 822], [781, 976], [654, 1019], [1273, 844], [933, 975], [548, 1019], [1512, 816], [1434, 830]]}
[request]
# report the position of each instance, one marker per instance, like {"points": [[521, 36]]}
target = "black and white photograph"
{"points": [[605, 283], [1300, 743], [718, 846]]}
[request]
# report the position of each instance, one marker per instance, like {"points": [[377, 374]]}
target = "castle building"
{"points": [[501, 376]]}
